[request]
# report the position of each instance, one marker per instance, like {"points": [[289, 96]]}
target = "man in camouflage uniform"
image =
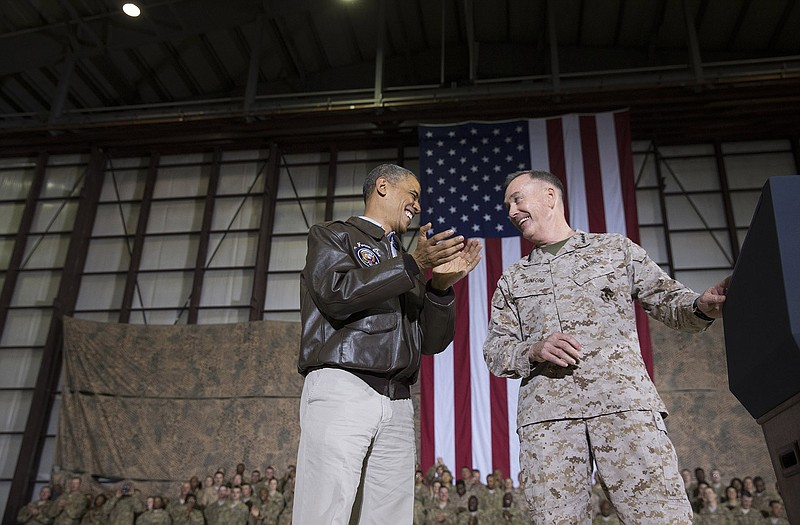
{"points": [[175, 505], [474, 515], [97, 514], [562, 320], [777, 515], [123, 507], [237, 512], [71, 507], [38, 512], [188, 514], [762, 495], [442, 511], [214, 511], [155, 516], [492, 498], [745, 514], [509, 513], [712, 513]]}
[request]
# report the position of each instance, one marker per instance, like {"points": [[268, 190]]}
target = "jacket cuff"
{"points": [[443, 298]]}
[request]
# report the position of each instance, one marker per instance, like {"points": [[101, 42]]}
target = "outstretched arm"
{"points": [[710, 302]]}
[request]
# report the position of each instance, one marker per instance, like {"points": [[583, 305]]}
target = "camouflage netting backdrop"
{"points": [[159, 404]]}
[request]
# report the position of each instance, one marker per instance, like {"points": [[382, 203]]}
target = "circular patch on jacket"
{"points": [[366, 255]]}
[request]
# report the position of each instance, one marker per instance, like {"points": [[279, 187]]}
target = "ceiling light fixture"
{"points": [[132, 10]]}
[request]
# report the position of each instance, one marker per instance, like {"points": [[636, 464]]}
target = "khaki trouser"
{"points": [[344, 422], [634, 457]]}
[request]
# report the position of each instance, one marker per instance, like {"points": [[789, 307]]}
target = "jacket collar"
{"points": [[369, 228], [579, 240]]}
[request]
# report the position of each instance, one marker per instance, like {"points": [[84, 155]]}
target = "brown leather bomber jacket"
{"points": [[368, 312]]}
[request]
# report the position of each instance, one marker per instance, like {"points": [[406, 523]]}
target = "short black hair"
{"points": [[392, 172]]}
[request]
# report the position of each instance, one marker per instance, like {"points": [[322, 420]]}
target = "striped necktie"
{"points": [[394, 242]]}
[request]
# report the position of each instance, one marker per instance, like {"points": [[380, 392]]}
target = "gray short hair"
{"points": [[542, 175]]}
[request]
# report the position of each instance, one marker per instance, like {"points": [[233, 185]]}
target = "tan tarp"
{"points": [[160, 404]]}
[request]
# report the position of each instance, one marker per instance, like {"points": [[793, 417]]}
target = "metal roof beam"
{"points": [[255, 60], [695, 61], [618, 25], [776, 34], [381, 34], [472, 46], [64, 81], [552, 37], [737, 28], [284, 43], [655, 30]]}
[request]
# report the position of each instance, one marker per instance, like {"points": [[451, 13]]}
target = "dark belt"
{"points": [[391, 388]]}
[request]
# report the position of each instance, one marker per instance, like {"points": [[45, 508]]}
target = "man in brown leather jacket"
{"points": [[368, 315]]}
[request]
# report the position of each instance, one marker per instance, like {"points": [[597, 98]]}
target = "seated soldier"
{"points": [[776, 514], [442, 511], [97, 514], [214, 511], [731, 498], [762, 496], [189, 514], [123, 507], [474, 515], [711, 512], [40, 511], [156, 515], [174, 505], [71, 507], [745, 514], [461, 498], [509, 512]]}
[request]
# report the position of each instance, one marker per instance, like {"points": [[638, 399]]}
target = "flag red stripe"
{"points": [[628, 184], [525, 246], [461, 377], [497, 386], [555, 154], [592, 178], [426, 425]]}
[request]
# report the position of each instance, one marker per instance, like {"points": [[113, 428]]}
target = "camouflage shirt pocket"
{"points": [[535, 305]]}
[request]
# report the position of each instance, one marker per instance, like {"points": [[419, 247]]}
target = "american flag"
{"points": [[468, 417]]}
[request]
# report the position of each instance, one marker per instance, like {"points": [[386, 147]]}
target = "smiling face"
{"points": [[396, 203], [530, 204]]}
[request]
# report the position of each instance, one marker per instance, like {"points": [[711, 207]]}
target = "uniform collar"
{"points": [[577, 241]]}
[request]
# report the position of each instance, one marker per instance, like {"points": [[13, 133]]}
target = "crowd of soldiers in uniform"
{"points": [[439, 499], [218, 500], [742, 501], [468, 501]]}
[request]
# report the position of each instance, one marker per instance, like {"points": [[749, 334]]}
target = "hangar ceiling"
{"points": [[685, 67]]}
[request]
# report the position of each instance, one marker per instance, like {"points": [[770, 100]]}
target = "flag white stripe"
{"points": [[480, 398], [537, 136], [576, 184], [609, 169], [443, 408], [512, 253]]}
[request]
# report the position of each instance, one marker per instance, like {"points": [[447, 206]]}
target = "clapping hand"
{"points": [[447, 274], [437, 249]]}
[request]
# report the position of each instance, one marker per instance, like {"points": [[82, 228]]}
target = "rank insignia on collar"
{"points": [[366, 255]]}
